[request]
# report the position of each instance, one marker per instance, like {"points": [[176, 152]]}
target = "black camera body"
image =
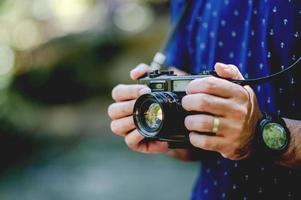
{"points": [[159, 115]]}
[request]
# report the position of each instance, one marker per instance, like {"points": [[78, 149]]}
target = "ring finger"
{"points": [[204, 124]]}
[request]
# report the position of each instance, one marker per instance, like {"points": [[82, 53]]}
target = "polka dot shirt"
{"points": [[261, 37]]}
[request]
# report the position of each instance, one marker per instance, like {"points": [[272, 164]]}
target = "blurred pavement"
{"points": [[97, 167]]}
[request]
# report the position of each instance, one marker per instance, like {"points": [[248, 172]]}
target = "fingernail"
{"points": [[227, 68], [144, 90]]}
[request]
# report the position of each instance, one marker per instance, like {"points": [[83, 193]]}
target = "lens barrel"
{"points": [[160, 115]]}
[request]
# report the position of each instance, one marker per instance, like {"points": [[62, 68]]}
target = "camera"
{"points": [[159, 115]]}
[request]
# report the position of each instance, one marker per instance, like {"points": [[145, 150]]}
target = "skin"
{"points": [[292, 157], [121, 114], [234, 105]]}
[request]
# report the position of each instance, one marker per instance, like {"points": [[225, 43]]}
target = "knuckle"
{"points": [[241, 113], [122, 110], [203, 103], [202, 124], [205, 144], [206, 124], [233, 67], [193, 85], [244, 95], [135, 91], [196, 123], [126, 109], [209, 84]]}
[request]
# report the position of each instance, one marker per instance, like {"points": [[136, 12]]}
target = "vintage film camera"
{"points": [[159, 115]]}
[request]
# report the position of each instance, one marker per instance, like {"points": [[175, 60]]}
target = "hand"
{"points": [[121, 114], [234, 105]]}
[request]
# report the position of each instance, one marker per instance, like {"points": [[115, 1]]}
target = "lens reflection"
{"points": [[153, 116]]}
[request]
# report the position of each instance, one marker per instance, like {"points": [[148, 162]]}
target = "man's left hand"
{"points": [[234, 107]]}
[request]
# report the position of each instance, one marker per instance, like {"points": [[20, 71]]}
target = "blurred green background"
{"points": [[59, 60]]}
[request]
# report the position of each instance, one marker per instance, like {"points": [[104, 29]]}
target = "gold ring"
{"points": [[216, 122]]}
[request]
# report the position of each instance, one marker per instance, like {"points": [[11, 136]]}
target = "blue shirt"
{"points": [[261, 37]]}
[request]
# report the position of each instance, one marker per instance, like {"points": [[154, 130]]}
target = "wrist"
{"points": [[291, 158]]}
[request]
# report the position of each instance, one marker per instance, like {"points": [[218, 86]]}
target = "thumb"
{"points": [[228, 71]]}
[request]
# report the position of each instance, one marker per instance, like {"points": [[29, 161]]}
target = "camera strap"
{"points": [[160, 58], [277, 75]]}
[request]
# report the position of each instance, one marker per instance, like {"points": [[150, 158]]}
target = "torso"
{"points": [[261, 37]]}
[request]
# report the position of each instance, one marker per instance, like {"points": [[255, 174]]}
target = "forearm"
{"points": [[292, 157]]}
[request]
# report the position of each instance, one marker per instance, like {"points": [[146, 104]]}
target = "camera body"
{"points": [[159, 115]]}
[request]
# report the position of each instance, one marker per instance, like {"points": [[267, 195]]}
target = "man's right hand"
{"points": [[121, 114]]}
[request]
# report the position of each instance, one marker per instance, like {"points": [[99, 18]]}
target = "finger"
{"points": [[207, 103], [203, 123], [128, 92], [136, 141], [210, 143], [122, 126], [121, 109], [133, 139], [139, 71], [214, 86], [228, 71]]}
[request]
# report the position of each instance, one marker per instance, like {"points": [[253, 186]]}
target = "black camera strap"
{"points": [[160, 58], [277, 75]]}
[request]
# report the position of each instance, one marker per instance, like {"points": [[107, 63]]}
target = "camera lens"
{"points": [[159, 114], [148, 115], [153, 116]]}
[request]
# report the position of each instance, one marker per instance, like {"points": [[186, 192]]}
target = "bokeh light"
{"points": [[41, 10], [69, 12], [7, 59], [25, 35], [7, 63], [133, 17], [59, 60]]}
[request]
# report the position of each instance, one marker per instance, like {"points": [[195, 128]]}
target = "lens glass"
{"points": [[153, 116]]}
